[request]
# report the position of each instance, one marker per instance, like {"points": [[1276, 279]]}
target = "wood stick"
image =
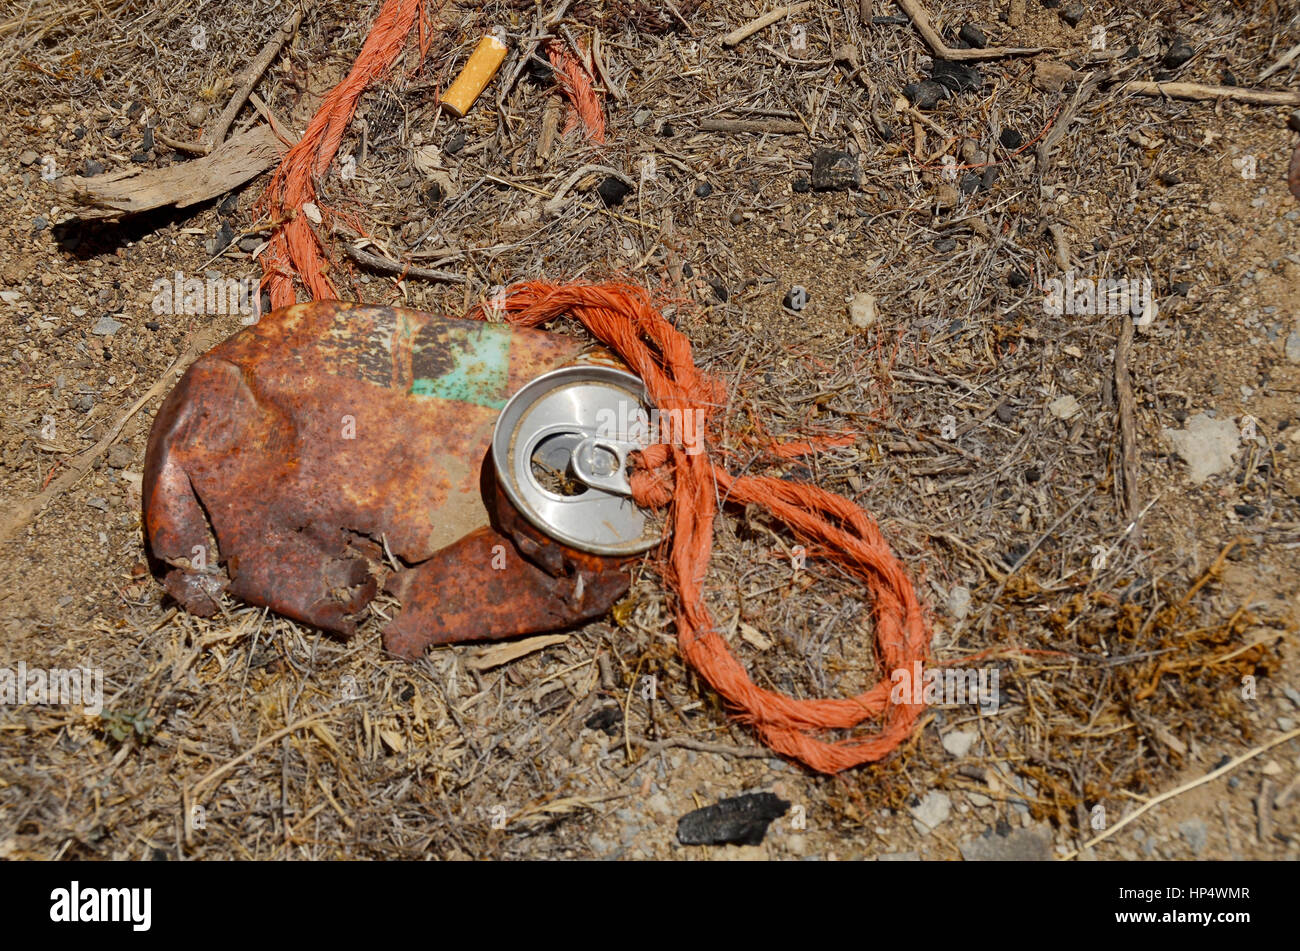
{"points": [[767, 19], [397, 267], [1165, 796], [1286, 59], [776, 126], [921, 20], [1259, 97], [253, 74]]}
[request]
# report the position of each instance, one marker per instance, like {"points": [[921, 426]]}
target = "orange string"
{"points": [[624, 318]]}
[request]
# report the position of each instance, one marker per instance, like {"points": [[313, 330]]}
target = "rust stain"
{"points": [[300, 443]]}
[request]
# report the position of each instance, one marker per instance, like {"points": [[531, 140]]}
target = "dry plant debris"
{"points": [[1135, 647]]}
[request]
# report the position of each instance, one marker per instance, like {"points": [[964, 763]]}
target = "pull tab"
{"points": [[601, 463]]}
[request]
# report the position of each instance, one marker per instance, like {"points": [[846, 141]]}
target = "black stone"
{"points": [[146, 141], [802, 185], [1006, 412], [1132, 52], [1181, 288], [1227, 78], [229, 205], [973, 36], [988, 178], [1293, 120], [1073, 14], [969, 182], [1177, 54], [1017, 279], [93, 168], [956, 77], [1033, 474], [455, 142], [719, 290], [1245, 510], [926, 94], [613, 190], [944, 245], [703, 190], [687, 270], [1011, 139], [833, 170], [139, 157], [667, 131], [607, 720], [742, 820]]}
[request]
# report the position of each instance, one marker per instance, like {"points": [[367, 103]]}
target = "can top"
{"points": [[560, 450]]}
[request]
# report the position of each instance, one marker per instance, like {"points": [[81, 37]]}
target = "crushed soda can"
{"points": [[332, 449]]}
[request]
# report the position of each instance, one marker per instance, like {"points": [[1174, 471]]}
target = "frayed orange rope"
{"points": [[294, 247], [623, 317], [584, 101]]}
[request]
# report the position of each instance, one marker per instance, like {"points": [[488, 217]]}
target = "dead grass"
{"points": [[295, 745]]}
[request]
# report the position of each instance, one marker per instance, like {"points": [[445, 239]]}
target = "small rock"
{"points": [[106, 326], [979, 799], [120, 456], [796, 298], [945, 197], [27, 157], [1005, 412], [1011, 139], [703, 190], [455, 142], [959, 602], [959, 742], [1206, 444], [1033, 844], [1073, 13], [93, 168], [197, 114], [1177, 55], [796, 845], [1196, 834], [250, 244], [39, 223], [737, 217], [1285, 724], [1292, 694], [97, 502], [801, 185], [1271, 768], [1293, 346], [642, 118], [973, 35], [899, 857], [926, 94], [1064, 407], [741, 819], [833, 170], [931, 811], [944, 245], [862, 310], [613, 190], [1293, 121], [969, 183]]}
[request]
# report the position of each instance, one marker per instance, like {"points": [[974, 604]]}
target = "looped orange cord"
{"points": [[624, 318]]}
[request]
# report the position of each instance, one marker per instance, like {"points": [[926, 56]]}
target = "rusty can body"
{"points": [[293, 459]]}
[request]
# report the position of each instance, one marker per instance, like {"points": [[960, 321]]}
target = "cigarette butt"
{"points": [[478, 72]]}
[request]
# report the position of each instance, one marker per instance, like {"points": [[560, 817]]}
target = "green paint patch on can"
{"points": [[465, 360]]}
